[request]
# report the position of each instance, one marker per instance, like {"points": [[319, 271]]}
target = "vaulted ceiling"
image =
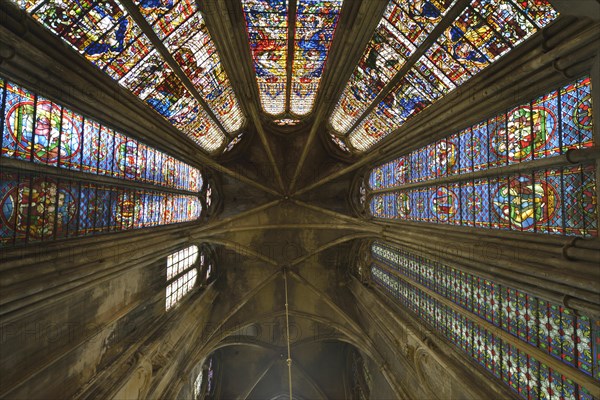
{"points": [[281, 102]]}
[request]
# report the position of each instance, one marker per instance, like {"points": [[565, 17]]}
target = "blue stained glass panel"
{"points": [[119, 158], [546, 126], [498, 141], [470, 204], [88, 209], [481, 203], [480, 146], [587, 200], [91, 146], [501, 196], [423, 206], [424, 163], [415, 166], [9, 206], [67, 209], [572, 213], [576, 114], [17, 132], [105, 151], [71, 140], [46, 132], [103, 209]]}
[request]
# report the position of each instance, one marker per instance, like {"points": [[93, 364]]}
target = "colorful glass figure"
{"points": [[38, 208], [36, 129], [485, 31], [105, 34], [267, 25], [404, 26], [185, 35], [316, 21], [553, 200]]}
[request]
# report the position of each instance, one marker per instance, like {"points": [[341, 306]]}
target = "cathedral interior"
{"points": [[299, 199]]}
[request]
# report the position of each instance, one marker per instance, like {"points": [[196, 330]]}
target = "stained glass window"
{"points": [[210, 374], [316, 21], [340, 143], [546, 126], [36, 208], [286, 122], [550, 200], [481, 34], [181, 274], [233, 143], [554, 200], [39, 130], [185, 35], [420, 285], [104, 33], [404, 26], [208, 195], [267, 23], [532, 320], [198, 385], [181, 261]]}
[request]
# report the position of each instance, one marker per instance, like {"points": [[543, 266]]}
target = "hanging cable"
{"points": [[287, 325]]}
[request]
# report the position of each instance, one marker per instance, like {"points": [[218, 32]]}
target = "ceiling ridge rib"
{"points": [[216, 333], [329, 245], [265, 142], [306, 149], [285, 226], [292, 7], [360, 222], [208, 228], [139, 19], [354, 325], [360, 163], [242, 178], [241, 249], [308, 377], [258, 380], [446, 21]]}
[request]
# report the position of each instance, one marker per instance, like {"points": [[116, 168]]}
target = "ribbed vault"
{"points": [[286, 203]]}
